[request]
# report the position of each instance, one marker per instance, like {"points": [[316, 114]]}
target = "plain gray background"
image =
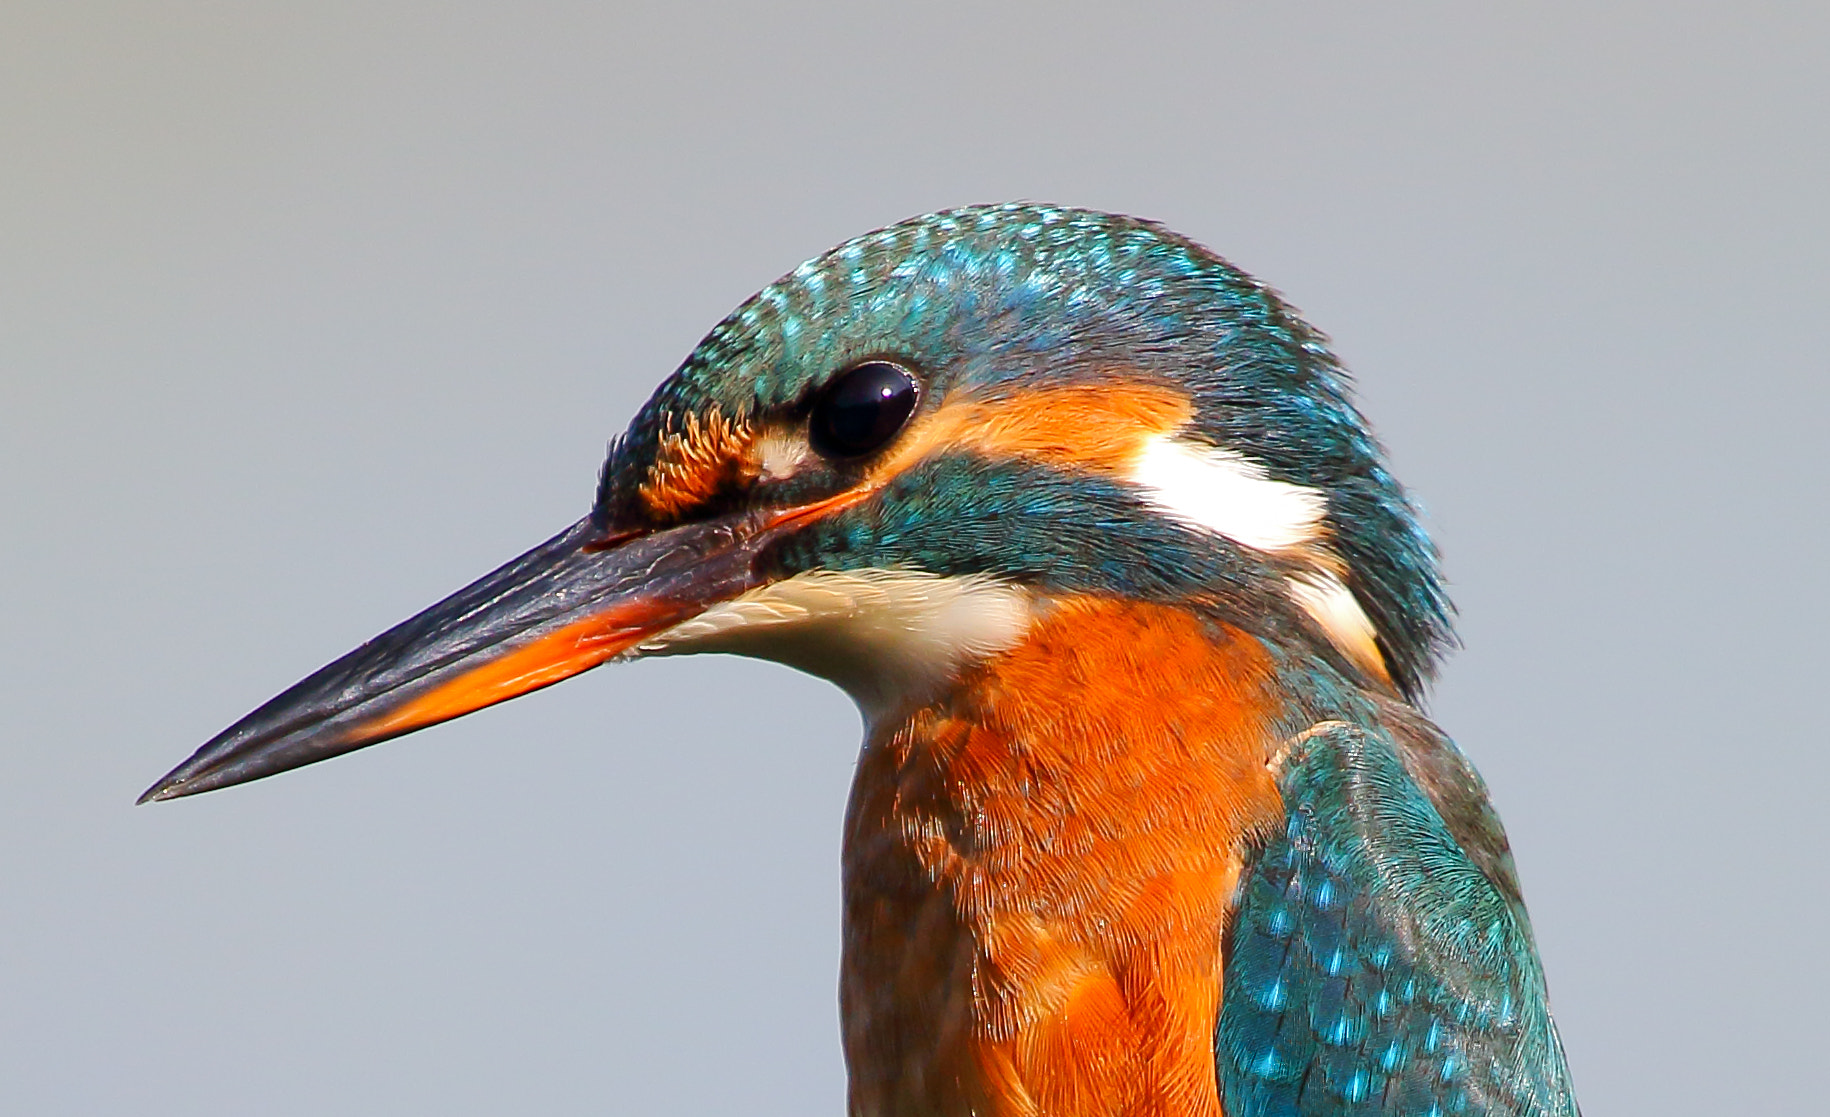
{"points": [[311, 312]]}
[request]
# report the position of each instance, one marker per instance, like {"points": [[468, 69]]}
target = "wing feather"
{"points": [[1373, 966]]}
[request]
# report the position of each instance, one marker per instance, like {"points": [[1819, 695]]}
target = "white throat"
{"points": [[890, 638]]}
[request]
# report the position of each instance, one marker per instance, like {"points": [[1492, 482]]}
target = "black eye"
{"points": [[862, 410]]}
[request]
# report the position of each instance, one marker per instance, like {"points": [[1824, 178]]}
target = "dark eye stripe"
{"points": [[862, 410]]}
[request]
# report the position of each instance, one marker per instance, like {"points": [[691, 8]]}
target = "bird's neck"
{"points": [[1038, 867]]}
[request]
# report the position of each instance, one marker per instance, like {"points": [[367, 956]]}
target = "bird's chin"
{"points": [[889, 638]]}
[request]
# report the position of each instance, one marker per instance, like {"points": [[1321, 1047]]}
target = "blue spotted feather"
{"points": [[1373, 965]]}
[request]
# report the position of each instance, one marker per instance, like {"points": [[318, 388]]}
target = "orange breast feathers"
{"points": [[1038, 870]]}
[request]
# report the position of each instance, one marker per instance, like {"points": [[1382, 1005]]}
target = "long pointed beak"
{"points": [[564, 607]]}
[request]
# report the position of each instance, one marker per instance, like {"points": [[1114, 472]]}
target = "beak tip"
{"points": [[166, 788], [189, 778]]}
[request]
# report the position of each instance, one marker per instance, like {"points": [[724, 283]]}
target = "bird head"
{"points": [[883, 466]]}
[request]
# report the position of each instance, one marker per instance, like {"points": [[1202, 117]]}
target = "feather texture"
{"points": [[1373, 966]]}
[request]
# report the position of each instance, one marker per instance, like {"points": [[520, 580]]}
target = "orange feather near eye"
{"points": [[1099, 428], [696, 462], [1039, 870], [1096, 428]]}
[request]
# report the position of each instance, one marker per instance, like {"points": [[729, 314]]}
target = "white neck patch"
{"points": [[1327, 599], [888, 637], [1227, 493]]}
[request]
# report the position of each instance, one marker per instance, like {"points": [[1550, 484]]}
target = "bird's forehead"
{"points": [[972, 297]]}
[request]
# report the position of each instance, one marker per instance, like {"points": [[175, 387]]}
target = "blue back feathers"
{"points": [[1374, 964]]}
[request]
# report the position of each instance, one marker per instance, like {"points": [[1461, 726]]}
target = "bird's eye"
{"points": [[862, 409]]}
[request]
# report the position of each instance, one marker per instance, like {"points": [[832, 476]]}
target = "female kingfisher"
{"points": [[1147, 821]]}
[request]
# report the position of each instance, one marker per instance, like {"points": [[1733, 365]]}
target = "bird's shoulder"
{"points": [[1378, 957]]}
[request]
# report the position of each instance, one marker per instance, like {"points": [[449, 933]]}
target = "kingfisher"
{"points": [[1147, 819]]}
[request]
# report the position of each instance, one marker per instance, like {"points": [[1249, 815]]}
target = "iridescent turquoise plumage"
{"points": [[1373, 966]]}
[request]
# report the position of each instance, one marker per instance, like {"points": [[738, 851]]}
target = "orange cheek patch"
{"points": [[1100, 428]]}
